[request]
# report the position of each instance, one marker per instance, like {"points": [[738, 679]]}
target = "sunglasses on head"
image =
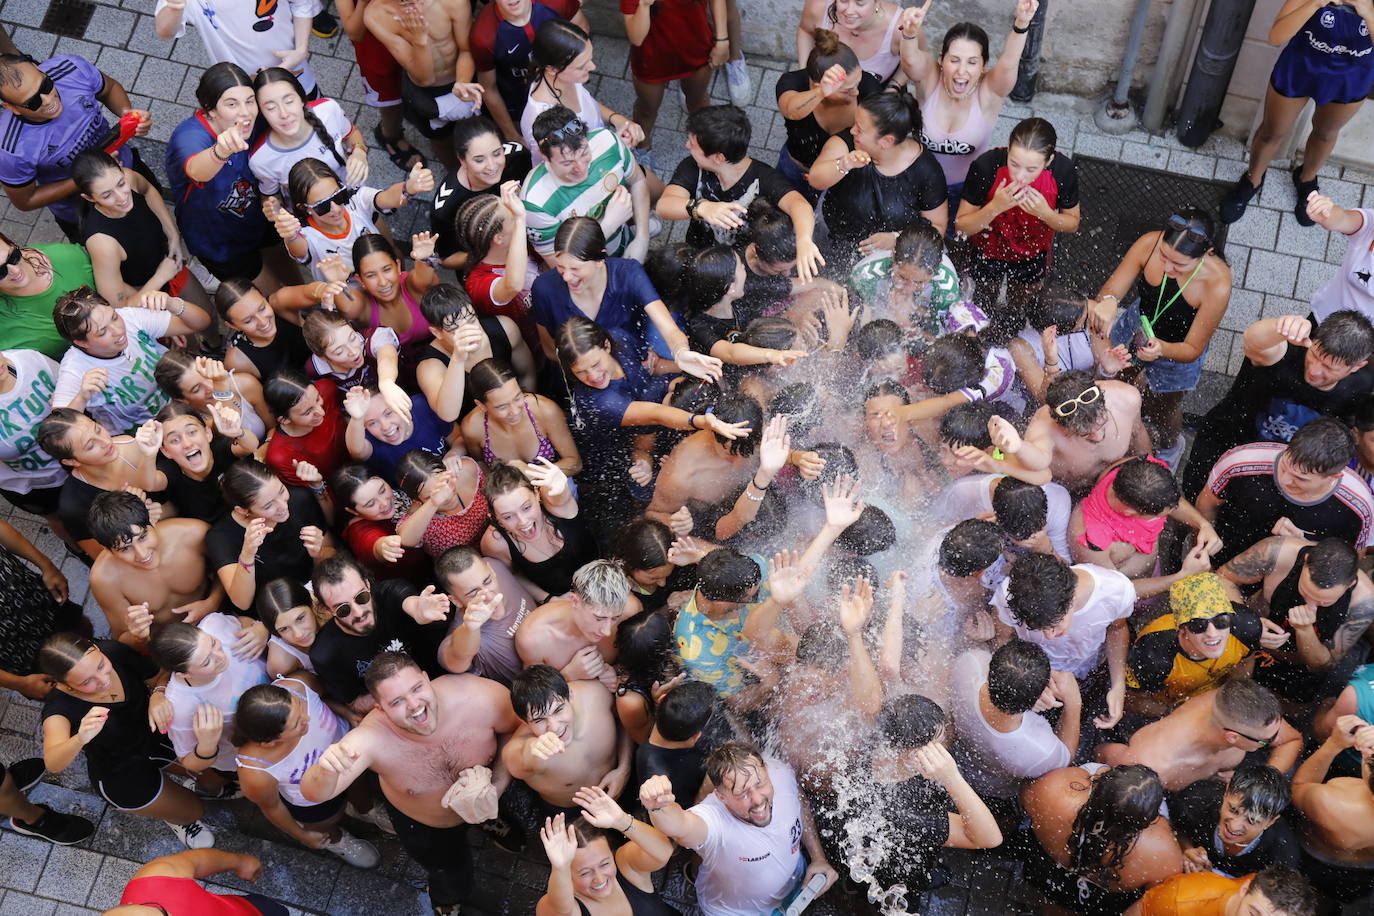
{"points": [[35, 101], [340, 197], [569, 131], [362, 599], [1198, 625], [1180, 223], [1090, 395]]}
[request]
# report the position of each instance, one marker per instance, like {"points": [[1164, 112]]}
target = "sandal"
{"points": [[399, 151]]}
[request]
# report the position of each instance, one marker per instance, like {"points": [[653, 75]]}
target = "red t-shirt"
{"points": [[362, 535], [679, 40], [323, 446], [479, 282], [184, 897]]}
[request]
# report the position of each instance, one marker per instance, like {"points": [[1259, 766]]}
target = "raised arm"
{"points": [[865, 687], [1001, 79], [681, 826]]}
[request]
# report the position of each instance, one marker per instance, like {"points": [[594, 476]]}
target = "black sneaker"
{"points": [[324, 25], [1234, 202], [1304, 189], [27, 773], [55, 827]]}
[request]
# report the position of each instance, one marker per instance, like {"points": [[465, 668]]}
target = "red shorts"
{"points": [[380, 73], [178, 283]]}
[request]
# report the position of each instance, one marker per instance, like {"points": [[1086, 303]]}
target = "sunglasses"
{"points": [[340, 197], [12, 259], [35, 101], [1262, 742], [570, 131], [1198, 626], [1091, 395], [362, 599], [1178, 223]]}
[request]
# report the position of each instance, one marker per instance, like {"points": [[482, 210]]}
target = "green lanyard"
{"points": [[1148, 324]]}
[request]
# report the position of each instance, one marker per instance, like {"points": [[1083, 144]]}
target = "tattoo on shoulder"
{"points": [[1255, 562], [1357, 620]]}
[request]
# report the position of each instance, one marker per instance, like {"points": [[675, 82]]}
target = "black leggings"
{"points": [[443, 853]]}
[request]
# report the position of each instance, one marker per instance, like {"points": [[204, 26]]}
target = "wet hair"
{"points": [[839, 461], [173, 644], [1123, 802], [685, 710], [384, 666], [243, 480], [557, 43], [1055, 306], [1332, 562], [645, 650], [895, 114], [278, 596], [171, 368], [1287, 890], [261, 714], [1035, 135], [887, 389], [823, 645], [970, 547], [537, 690], [879, 338], [771, 332], [911, 721], [348, 480], [1021, 508], [112, 517], [454, 562], [1262, 791], [602, 583], [1247, 704], [71, 313], [728, 759], [466, 130], [477, 222], [872, 532], [965, 31], [370, 243], [643, 544], [487, 376], [414, 469], [770, 231], [967, 424], [1018, 673], [1196, 238], [89, 165], [60, 652], [218, 79], [1040, 590], [800, 402], [334, 569], [827, 52], [281, 75], [55, 429], [230, 293], [1146, 487], [725, 574], [667, 270], [284, 390], [316, 328], [845, 570], [723, 129], [446, 305], [557, 121], [1068, 385], [577, 337], [581, 237], [302, 177], [740, 408], [709, 277], [954, 361], [37, 262], [920, 244], [1323, 445], [500, 480], [1346, 336]]}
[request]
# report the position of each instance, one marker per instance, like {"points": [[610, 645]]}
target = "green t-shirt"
{"points": [[871, 278], [26, 321]]}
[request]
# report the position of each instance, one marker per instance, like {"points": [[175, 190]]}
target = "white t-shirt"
{"points": [[993, 761], [748, 870], [589, 113], [971, 495], [271, 164], [361, 213], [1352, 284], [1073, 349], [23, 465], [1080, 650], [222, 693], [230, 31], [131, 396]]}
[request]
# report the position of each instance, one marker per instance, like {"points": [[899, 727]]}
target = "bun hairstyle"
{"points": [[770, 230], [895, 113], [1035, 135], [828, 52]]}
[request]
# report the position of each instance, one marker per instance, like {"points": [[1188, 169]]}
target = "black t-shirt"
{"points": [[982, 172], [1156, 661], [805, 136], [685, 767], [74, 505], [281, 553], [705, 331], [126, 740], [200, 499], [286, 351], [917, 812], [1195, 813], [866, 201], [759, 180], [452, 194], [341, 659]]}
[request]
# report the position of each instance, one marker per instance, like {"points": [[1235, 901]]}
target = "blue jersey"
{"points": [[220, 219], [41, 152]]}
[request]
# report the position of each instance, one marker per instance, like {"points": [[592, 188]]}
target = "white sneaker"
{"points": [[376, 816], [737, 78], [195, 835], [655, 226], [356, 852]]}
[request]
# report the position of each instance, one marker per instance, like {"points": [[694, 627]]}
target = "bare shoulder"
{"points": [[1120, 392], [185, 530]]}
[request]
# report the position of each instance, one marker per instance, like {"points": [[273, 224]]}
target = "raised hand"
{"points": [[1004, 435], [680, 522], [92, 723], [841, 500], [286, 224], [148, 438], [356, 167], [306, 473], [1303, 616], [356, 401], [1319, 206], [657, 691], [481, 609], [1025, 12], [912, 20], [229, 142], [685, 551], [856, 605], [808, 464], [253, 536], [227, 418], [138, 620], [1272, 635], [93, 381], [641, 468], [546, 476], [339, 757], [389, 548], [699, 365], [727, 430], [431, 606], [560, 842], [1196, 561], [208, 725], [395, 397], [419, 180], [934, 762], [775, 446], [334, 269], [313, 540], [547, 745], [785, 357], [599, 808], [630, 133], [1295, 329], [787, 577], [656, 792], [422, 245]]}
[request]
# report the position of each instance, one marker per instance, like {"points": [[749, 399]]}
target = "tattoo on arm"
{"points": [[1255, 563], [1357, 620]]}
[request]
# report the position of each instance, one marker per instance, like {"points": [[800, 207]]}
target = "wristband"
{"points": [[222, 395], [752, 497], [839, 165], [1111, 296], [1018, 30], [160, 687], [215, 153], [249, 565], [200, 756], [719, 40], [433, 261], [754, 480]]}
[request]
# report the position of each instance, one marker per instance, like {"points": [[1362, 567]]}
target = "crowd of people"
{"points": [[830, 537]]}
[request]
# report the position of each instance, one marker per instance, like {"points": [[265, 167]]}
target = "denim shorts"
{"points": [[1164, 375]]}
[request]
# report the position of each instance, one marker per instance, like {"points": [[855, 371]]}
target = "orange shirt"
{"points": [[1200, 894]]}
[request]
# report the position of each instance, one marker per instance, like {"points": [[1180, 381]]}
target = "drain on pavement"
{"points": [[68, 18]]}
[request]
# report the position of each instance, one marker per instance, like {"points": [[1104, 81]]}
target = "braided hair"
{"points": [[282, 75]]}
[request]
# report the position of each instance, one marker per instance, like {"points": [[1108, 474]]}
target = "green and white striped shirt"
{"points": [[548, 201]]}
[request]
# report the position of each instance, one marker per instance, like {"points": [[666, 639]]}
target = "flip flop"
{"points": [[403, 158]]}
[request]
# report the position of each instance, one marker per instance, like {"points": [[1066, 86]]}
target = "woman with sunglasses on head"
{"points": [[462, 339], [300, 129], [536, 527], [272, 531], [485, 163], [1175, 286], [31, 281], [511, 426]]}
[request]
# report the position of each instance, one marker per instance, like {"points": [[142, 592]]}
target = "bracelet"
{"points": [[631, 825], [180, 313], [692, 421], [295, 235], [160, 687], [200, 756], [719, 40], [910, 37], [839, 167], [405, 195], [754, 480], [434, 261], [1109, 296], [248, 565], [1018, 30], [216, 154], [752, 497]]}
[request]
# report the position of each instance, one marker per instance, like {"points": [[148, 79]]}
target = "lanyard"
{"points": [[1159, 311]]}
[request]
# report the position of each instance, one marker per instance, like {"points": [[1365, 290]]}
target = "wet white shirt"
{"points": [[222, 693], [1080, 650]]}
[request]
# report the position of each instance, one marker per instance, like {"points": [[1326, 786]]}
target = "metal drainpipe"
{"points": [[1171, 46], [1029, 70], [1115, 116], [1222, 36]]}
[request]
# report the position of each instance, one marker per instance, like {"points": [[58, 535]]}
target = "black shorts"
{"points": [[316, 814], [419, 107], [34, 502], [244, 266], [139, 784], [1026, 272]]}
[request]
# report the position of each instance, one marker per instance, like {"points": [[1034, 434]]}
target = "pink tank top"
{"points": [[883, 63], [417, 336], [955, 149]]}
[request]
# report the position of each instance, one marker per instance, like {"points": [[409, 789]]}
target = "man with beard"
{"points": [[435, 745], [749, 832]]}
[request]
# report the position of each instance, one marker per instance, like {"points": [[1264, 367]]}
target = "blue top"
{"points": [[628, 291], [41, 152], [220, 218], [430, 435], [1330, 59], [597, 412]]}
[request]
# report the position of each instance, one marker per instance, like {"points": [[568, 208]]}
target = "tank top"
{"points": [[1017, 235], [415, 341], [642, 903], [138, 232], [286, 350], [955, 149], [297, 654], [883, 63], [1175, 321], [326, 728], [554, 574], [1278, 674], [545, 450], [500, 350]]}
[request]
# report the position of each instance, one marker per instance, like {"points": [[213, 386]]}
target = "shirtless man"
{"points": [[1083, 428], [1210, 735], [435, 746], [568, 738], [706, 467], [1337, 826], [149, 570], [429, 39], [575, 633], [492, 605]]}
